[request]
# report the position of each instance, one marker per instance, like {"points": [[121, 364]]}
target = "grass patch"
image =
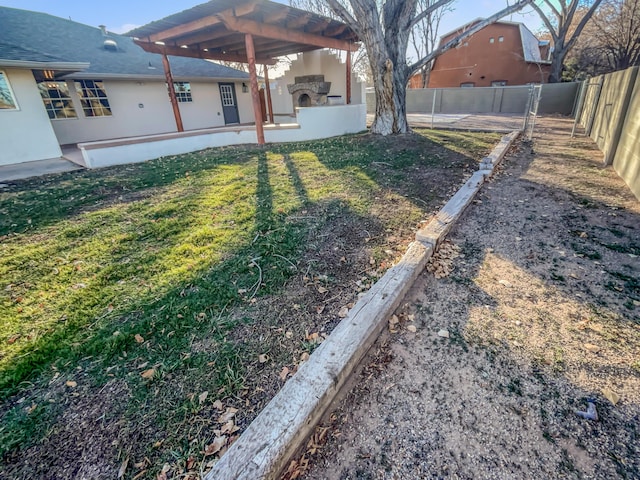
{"points": [[121, 270]]}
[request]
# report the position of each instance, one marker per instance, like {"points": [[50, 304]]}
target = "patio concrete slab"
{"points": [[19, 171]]}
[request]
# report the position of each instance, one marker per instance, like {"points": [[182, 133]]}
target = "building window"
{"points": [[57, 100], [7, 100], [499, 83], [183, 91], [492, 40], [467, 84], [501, 39], [94, 98]]}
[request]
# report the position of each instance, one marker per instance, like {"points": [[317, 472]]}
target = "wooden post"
{"points": [[268, 89], [172, 92], [348, 77], [255, 96]]}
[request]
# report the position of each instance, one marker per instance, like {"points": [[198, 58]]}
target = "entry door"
{"points": [[229, 103]]}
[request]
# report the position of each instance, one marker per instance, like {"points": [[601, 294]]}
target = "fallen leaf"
{"points": [[139, 338], [288, 334], [218, 405], [344, 311], [322, 290], [202, 397], [412, 328], [505, 283], [123, 467], [304, 357], [149, 373], [215, 447], [12, 339], [229, 427], [71, 383], [227, 415], [443, 333], [283, 373], [262, 358], [320, 309], [612, 396]]}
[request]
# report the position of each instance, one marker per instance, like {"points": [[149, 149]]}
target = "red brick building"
{"points": [[503, 53]]}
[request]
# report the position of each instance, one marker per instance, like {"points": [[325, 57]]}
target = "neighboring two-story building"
{"points": [[501, 54]]}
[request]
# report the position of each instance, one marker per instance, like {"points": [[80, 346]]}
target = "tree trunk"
{"points": [[390, 87]]}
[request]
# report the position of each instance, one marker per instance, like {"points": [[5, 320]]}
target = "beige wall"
{"points": [[318, 62], [26, 132], [611, 117], [156, 116], [627, 157]]}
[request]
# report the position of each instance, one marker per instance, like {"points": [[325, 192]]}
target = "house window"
{"points": [[467, 84], [499, 83], [94, 98], [492, 40], [501, 39], [57, 100], [7, 100], [183, 91]]}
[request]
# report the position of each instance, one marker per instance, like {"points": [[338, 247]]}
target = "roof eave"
{"points": [[151, 77], [60, 66]]}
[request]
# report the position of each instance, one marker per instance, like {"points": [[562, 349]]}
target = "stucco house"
{"points": [[62, 82], [500, 54]]}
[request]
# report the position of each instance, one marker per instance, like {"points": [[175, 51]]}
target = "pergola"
{"points": [[247, 31]]}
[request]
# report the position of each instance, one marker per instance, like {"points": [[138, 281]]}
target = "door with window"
{"points": [[229, 103]]}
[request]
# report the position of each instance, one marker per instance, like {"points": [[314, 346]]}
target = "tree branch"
{"points": [[342, 12], [427, 11], [546, 21], [582, 23], [455, 41]]}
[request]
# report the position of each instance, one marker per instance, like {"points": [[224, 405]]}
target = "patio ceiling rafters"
{"points": [[247, 31]]}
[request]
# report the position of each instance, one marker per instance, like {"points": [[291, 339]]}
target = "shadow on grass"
{"points": [[181, 292]]}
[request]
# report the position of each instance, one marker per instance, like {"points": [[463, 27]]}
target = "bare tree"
{"points": [[558, 16], [616, 26], [385, 28], [424, 36]]}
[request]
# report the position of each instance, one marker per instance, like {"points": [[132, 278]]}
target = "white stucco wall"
{"points": [[156, 116], [318, 62], [313, 123], [26, 133]]}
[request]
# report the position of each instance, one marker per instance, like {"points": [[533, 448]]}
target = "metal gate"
{"points": [[531, 110]]}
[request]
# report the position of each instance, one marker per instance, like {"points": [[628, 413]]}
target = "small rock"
{"points": [[443, 333], [412, 328], [505, 283], [591, 347]]}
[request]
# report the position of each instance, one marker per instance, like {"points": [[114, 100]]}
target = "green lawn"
{"points": [[109, 273]]}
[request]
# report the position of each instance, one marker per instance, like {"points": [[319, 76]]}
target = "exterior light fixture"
{"points": [[245, 88]]}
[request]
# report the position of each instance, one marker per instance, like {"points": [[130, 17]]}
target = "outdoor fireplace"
{"points": [[309, 91]]}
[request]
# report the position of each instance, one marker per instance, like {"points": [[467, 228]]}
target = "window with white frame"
{"points": [[500, 39], [7, 100], [183, 91], [93, 98], [57, 100]]}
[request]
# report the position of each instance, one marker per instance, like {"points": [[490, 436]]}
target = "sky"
{"points": [[123, 15]]}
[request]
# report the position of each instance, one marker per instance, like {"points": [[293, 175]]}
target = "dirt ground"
{"points": [[537, 311]]}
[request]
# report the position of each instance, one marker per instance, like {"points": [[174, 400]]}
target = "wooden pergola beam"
{"points": [[299, 22], [279, 51], [202, 23], [197, 53], [320, 26], [336, 30], [199, 37], [280, 33], [255, 95], [275, 17]]}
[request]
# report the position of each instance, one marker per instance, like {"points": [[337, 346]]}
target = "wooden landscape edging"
{"points": [[266, 446]]}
